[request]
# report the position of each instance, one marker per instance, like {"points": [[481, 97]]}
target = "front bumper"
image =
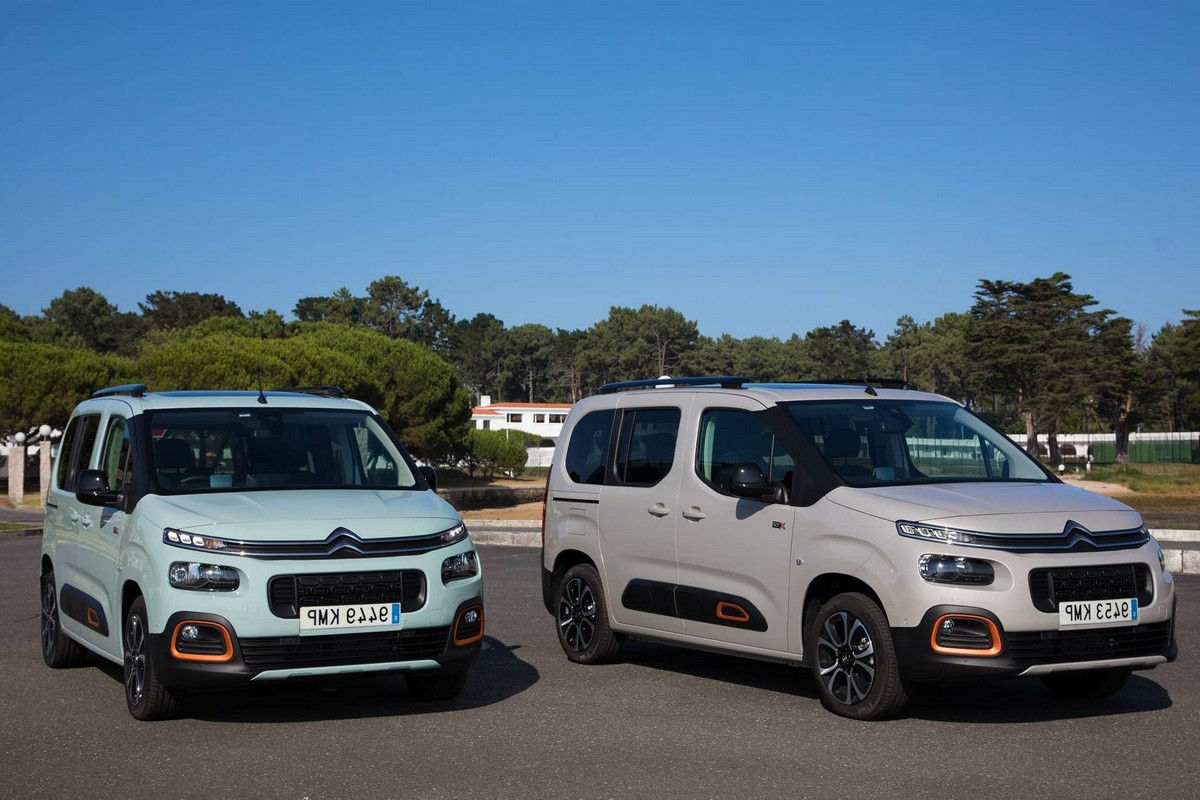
{"points": [[235, 661], [1012, 654]]}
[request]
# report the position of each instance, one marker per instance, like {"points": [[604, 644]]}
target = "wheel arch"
{"points": [[825, 587]]}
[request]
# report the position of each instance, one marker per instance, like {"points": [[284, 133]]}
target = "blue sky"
{"points": [[764, 168]]}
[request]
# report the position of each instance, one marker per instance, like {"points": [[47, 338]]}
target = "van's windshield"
{"points": [[206, 450], [874, 442]]}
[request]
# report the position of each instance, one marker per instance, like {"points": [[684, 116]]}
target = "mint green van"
{"points": [[214, 539]]}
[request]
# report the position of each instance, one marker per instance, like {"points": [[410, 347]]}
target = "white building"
{"points": [[542, 419]]}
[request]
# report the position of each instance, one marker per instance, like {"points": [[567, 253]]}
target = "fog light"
{"points": [[956, 569], [202, 577], [468, 628], [966, 635], [197, 640], [457, 567]]}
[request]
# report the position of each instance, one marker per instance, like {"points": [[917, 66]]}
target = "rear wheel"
{"points": [[441, 686], [854, 660], [1089, 685], [58, 651], [582, 616], [146, 696]]}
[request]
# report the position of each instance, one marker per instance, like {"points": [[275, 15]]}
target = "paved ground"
{"points": [[663, 723]]}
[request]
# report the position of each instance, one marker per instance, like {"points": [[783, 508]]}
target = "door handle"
{"points": [[694, 513], [658, 510]]}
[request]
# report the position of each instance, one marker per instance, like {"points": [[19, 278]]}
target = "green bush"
{"points": [[490, 452]]}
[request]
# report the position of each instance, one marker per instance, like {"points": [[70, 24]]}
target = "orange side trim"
{"points": [[732, 612], [994, 632], [226, 656], [472, 639]]}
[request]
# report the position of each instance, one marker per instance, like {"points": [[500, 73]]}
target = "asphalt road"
{"points": [[663, 723]]}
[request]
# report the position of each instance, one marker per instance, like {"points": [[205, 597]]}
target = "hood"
{"points": [[299, 513], [1007, 507]]}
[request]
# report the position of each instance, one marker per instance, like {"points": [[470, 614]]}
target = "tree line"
{"points": [[1037, 356]]}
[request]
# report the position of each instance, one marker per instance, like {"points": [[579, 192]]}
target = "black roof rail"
{"points": [[132, 389], [319, 391], [724, 381]]}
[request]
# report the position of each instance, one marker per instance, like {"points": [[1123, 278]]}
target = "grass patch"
{"points": [[1170, 479], [18, 526], [1169, 511]]}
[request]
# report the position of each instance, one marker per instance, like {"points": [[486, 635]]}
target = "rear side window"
{"points": [[588, 448], [76, 449], [646, 449]]}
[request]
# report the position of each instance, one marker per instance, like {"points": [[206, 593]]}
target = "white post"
{"points": [[44, 455], [16, 473]]}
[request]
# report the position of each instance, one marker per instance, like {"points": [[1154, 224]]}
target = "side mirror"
{"points": [[91, 488], [430, 476], [747, 480]]}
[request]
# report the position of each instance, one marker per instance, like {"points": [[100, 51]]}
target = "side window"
{"points": [[589, 448], [75, 450], [115, 461], [646, 449], [729, 438]]}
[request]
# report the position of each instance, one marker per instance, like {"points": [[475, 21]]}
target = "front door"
{"points": [[734, 552]]}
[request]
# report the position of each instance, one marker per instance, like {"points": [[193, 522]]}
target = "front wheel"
{"points": [[146, 696], [1092, 684], [582, 616], [854, 660]]}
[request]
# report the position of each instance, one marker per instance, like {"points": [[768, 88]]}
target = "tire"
{"points": [[148, 699], [439, 686], [58, 650], [854, 660], [582, 617], [1093, 684]]}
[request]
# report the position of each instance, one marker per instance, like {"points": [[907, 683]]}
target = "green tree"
{"points": [[840, 351], [12, 327], [631, 344], [342, 308], [490, 452], [1033, 343], [932, 356], [476, 349], [83, 317], [530, 348], [42, 383], [172, 311]]}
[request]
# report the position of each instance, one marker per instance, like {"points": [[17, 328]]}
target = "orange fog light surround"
{"points": [[458, 622], [221, 657], [993, 633]]}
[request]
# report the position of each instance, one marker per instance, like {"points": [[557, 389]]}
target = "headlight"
{"points": [[455, 534], [956, 569], [192, 540], [934, 533], [203, 577], [463, 565]]}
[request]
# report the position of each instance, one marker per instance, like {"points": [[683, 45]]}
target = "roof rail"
{"points": [[132, 389], [724, 381], [880, 383], [319, 391]]}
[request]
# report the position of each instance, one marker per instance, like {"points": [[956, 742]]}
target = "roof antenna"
{"points": [[870, 389], [262, 398]]}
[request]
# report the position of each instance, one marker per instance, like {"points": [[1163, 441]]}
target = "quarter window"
{"points": [[116, 455], [588, 448]]}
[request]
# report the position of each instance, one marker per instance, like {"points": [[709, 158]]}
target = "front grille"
{"points": [[287, 594], [1057, 647], [300, 652], [1049, 587]]}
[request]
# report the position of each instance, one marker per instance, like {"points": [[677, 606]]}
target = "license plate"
{"points": [[367, 615], [1097, 612]]}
